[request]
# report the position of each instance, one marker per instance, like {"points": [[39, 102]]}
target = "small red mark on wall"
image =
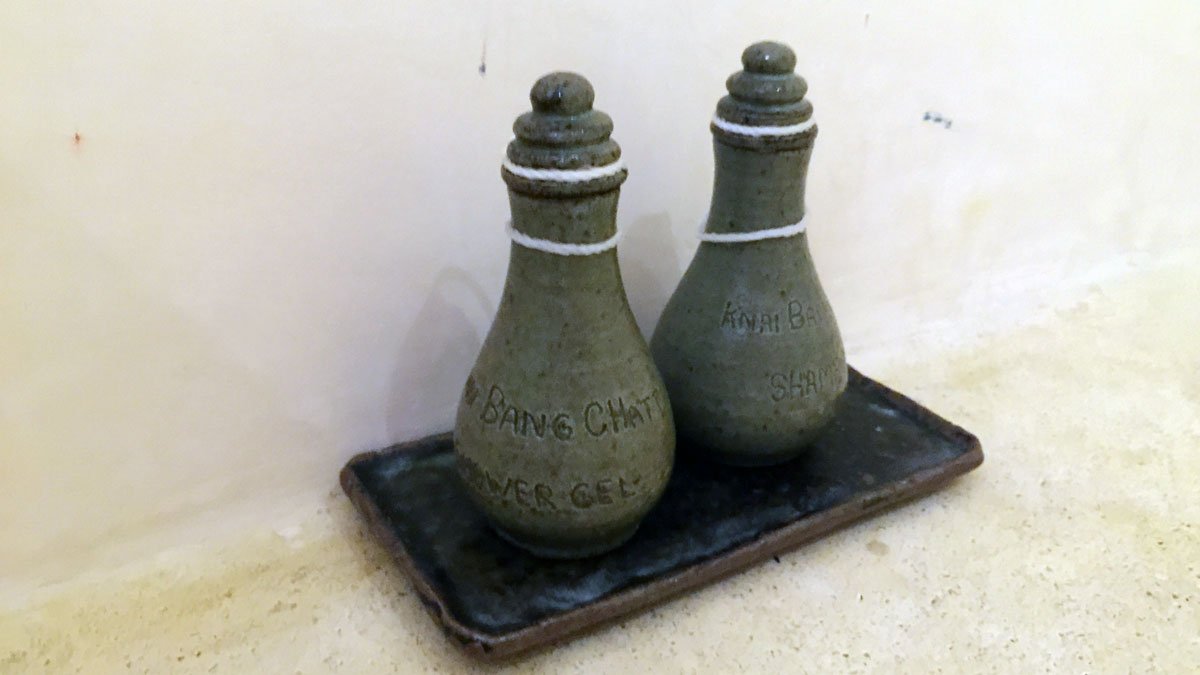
{"points": [[77, 141]]}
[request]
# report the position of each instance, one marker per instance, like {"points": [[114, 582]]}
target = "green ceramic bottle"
{"points": [[564, 434], [748, 345]]}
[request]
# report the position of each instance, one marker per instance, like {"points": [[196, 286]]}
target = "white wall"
{"points": [[278, 238]]}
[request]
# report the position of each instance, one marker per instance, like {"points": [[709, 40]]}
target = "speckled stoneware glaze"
{"points": [[564, 435], [748, 345]]}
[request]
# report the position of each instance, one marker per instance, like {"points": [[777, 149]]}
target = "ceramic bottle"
{"points": [[564, 434], [748, 345]]}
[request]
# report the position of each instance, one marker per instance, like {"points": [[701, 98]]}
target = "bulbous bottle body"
{"points": [[750, 352], [564, 434]]}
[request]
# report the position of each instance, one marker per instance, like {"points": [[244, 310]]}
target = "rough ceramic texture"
{"points": [[564, 434], [766, 92], [748, 344]]}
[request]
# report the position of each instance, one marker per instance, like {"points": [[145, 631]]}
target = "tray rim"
{"points": [[553, 628]]}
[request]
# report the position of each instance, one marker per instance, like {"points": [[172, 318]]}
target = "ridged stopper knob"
{"points": [[767, 91], [563, 132]]}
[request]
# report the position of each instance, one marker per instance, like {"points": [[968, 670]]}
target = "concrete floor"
{"points": [[1074, 548]]}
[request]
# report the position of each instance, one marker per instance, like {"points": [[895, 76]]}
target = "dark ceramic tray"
{"points": [[496, 600]]}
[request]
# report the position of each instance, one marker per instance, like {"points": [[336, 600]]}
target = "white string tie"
{"points": [[565, 175], [758, 132], [558, 247], [757, 235]]}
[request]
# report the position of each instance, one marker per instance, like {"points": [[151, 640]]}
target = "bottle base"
{"points": [[567, 551], [745, 460], [752, 456]]}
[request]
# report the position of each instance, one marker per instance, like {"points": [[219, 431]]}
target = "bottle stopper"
{"points": [[562, 146], [766, 105]]}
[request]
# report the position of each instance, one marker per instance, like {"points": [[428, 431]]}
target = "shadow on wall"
{"points": [[437, 354], [650, 267]]}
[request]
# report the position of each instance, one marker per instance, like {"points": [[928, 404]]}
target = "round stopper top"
{"points": [[767, 91], [774, 58], [563, 132], [562, 94]]}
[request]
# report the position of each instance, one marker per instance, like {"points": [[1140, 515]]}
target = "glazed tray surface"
{"points": [[496, 600]]}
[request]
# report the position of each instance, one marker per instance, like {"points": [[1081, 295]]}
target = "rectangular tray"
{"points": [[496, 600]]}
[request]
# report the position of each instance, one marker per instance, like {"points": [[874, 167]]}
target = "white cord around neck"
{"points": [[558, 247], [565, 175], [757, 132], [757, 235]]}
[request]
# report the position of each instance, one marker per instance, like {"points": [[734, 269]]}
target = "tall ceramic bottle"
{"points": [[748, 345], [564, 435]]}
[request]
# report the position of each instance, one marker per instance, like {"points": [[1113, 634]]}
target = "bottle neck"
{"points": [[570, 220], [585, 219], [756, 189]]}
